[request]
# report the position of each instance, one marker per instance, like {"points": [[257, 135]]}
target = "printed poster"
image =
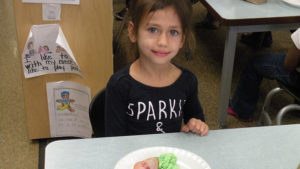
{"points": [[68, 105], [76, 2], [47, 51]]}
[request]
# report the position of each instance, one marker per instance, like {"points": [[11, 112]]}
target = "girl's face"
{"points": [[159, 36]]}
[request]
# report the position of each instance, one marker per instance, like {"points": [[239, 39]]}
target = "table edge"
{"points": [[250, 21]]}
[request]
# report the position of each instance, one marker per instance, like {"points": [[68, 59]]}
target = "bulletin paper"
{"points": [[47, 51], [53, 1], [68, 105]]}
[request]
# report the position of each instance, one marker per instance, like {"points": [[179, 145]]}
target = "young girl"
{"points": [[152, 95]]}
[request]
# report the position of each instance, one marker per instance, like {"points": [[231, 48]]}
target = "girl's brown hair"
{"points": [[139, 9]]}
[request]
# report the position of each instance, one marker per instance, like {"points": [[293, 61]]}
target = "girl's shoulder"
{"points": [[186, 73], [120, 76]]}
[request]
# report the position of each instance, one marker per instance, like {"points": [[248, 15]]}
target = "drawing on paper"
{"points": [[65, 101]]}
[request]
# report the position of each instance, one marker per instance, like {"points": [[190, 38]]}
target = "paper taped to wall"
{"points": [[47, 51], [68, 105], [75, 2]]}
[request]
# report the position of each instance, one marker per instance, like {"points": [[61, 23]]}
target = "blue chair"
{"points": [[295, 93], [96, 112]]}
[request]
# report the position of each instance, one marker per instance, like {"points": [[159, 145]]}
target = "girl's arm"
{"points": [[292, 59], [196, 126], [115, 110], [193, 113], [192, 107]]}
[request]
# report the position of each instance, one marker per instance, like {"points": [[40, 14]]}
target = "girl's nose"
{"points": [[163, 40]]}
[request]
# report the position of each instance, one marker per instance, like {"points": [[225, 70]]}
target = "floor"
{"points": [[18, 152]]}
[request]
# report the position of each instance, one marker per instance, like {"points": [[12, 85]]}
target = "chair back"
{"points": [[96, 112], [295, 92]]}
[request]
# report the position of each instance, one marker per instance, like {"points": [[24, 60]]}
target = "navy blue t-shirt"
{"points": [[134, 108]]}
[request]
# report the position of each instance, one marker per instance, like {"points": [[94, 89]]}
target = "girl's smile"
{"points": [[160, 53]]}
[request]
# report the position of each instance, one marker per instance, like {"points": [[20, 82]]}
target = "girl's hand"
{"points": [[196, 126]]}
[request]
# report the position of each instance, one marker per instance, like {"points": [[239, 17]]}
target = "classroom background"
{"points": [[18, 151]]}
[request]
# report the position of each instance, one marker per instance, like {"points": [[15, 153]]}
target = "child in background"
{"points": [[152, 95], [280, 67]]}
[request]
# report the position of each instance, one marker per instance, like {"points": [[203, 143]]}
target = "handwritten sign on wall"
{"points": [[47, 51]]}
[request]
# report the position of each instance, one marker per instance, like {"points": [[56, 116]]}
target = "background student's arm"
{"points": [[292, 59]]}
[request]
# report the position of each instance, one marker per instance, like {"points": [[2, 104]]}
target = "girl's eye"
{"points": [[174, 32], [152, 30]]}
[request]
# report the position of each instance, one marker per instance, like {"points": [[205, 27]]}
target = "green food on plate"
{"points": [[167, 161]]}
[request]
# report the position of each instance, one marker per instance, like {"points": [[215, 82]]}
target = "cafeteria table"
{"points": [[241, 148], [241, 16]]}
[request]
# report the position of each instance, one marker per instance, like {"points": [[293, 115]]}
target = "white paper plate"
{"points": [[185, 159], [293, 2]]}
